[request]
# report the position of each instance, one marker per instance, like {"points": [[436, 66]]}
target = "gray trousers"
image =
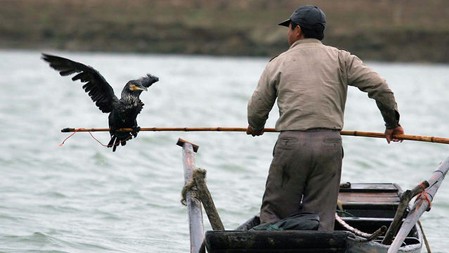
{"points": [[304, 176]]}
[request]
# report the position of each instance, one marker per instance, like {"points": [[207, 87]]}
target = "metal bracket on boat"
{"points": [[401, 211], [421, 204], [195, 193], [196, 227]]}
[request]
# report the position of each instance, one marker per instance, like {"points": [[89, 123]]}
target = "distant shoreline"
{"points": [[223, 28], [401, 51]]}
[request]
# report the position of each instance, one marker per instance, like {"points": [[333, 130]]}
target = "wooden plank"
{"points": [[351, 197], [369, 187]]}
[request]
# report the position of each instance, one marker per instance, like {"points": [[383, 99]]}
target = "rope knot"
{"points": [[426, 197], [191, 186]]}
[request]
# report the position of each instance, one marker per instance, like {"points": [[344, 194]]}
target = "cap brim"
{"points": [[285, 23]]}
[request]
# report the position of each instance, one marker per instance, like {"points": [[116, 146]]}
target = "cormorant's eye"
{"points": [[133, 87]]}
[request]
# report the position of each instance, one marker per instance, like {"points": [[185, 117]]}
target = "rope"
{"points": [[426, 242], [192, 186], [93, 137], [425, 197], [68, 137], [189, 187], [367, 236], [76, 131]]}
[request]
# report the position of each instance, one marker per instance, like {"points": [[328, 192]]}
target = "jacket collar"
{"points": [[305, 41]]}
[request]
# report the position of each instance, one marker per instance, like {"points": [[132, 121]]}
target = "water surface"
{"points": [[81, 197]]}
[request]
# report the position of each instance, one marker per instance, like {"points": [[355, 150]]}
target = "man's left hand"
{"points": [[251, 131]]}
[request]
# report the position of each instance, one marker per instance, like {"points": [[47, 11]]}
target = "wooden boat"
{"points": [[365, 211], [366, 208]]}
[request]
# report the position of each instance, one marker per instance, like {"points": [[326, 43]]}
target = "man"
{"points": [[310, 82]]}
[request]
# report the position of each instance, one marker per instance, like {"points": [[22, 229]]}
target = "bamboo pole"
{"points": [[421, 138]]}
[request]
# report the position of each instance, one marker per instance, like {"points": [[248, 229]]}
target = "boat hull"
{"points": [[299, 242], [366, 208], [275, 241]]}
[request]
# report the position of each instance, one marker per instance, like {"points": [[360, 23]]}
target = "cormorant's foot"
{"points": [[136, 129], [112, 141]]}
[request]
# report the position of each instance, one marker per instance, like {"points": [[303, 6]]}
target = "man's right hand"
{"points": [[251, 131], [390, 133]]}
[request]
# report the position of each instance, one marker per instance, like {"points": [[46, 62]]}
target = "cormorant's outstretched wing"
{"points": [[95, 85]]}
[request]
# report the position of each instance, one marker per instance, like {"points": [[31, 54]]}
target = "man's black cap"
{"points": [[308, 16]]}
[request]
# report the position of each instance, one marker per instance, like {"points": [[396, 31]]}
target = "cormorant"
{"points": [[122, 112]]}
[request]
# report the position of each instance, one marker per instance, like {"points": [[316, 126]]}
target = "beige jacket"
{"points": [[310, 82]]}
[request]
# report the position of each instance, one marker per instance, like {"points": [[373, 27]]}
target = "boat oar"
{"points": [[243, 129]]}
